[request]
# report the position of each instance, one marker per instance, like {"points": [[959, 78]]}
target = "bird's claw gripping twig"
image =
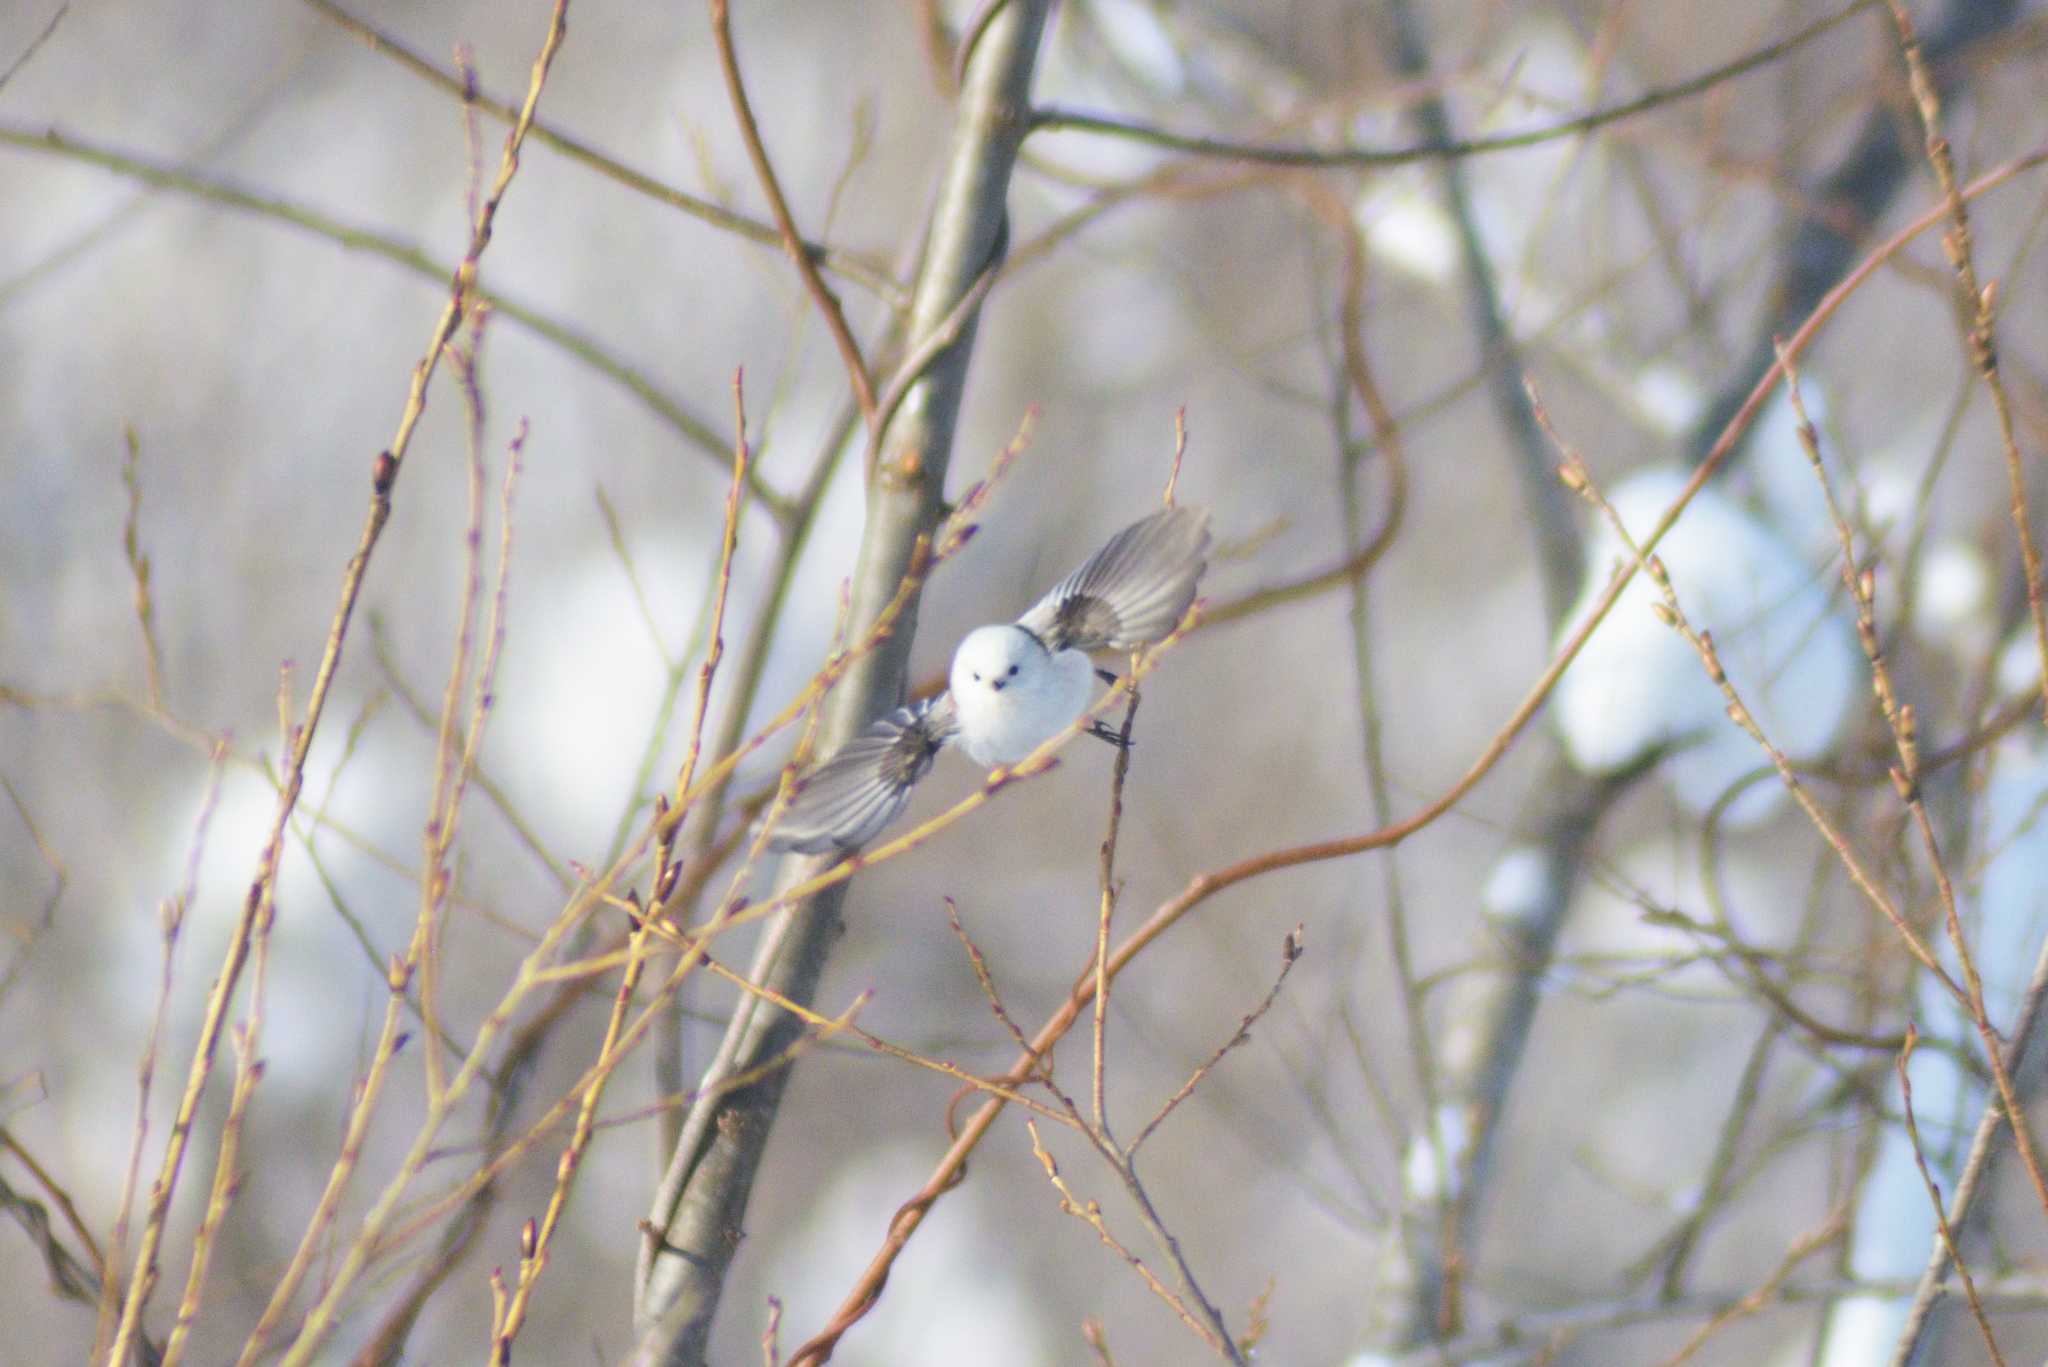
{"points": [[1104, 731]]}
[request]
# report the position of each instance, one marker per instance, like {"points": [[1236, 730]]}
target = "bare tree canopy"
{"points": [[499, 865]]}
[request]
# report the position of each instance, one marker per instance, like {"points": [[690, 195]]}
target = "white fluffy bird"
{"points": [[1013, 686]]}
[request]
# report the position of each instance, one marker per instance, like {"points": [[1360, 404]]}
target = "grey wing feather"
{"points": [[845, 802], [1131, 592]]}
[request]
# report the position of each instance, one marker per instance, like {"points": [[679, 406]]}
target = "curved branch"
{"points": [[1275, 154], [792, 242]]}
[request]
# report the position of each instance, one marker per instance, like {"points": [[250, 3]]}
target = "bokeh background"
{"points": [[206, 254]]}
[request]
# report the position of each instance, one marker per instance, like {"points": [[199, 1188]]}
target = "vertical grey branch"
{"points": [[1496, 1009], [1549, 504], [1846, 204], [702, 1198]]}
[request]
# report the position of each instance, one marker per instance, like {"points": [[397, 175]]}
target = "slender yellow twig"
{"points": [[170, 924], [715, 650], [1090, 1214], [257, 905], [534, 1255], [437, 836], [534, 1250], [1803, 1247], [1979, 305], [972, 1081], [227, 1179], [138, 568]]}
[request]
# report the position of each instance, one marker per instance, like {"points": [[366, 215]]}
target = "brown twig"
{"points": [[1180, 450], [1931, 1287], [988, 988], [170, 923], [1106, 906], [771, 1353], [970, 1081], [1518, 1334], [1802, 1248], [1745, 1097], [35, 44], [932, 343], [1290, 953], [1336, 215], [714, 651], [227, 1177], [1090, 1214], [444, 806], [46, 917], [792, 241], [1947, 1232], [1905, 776], [138, 564], [1098, 1342], [409, 699], [1979, 306]]}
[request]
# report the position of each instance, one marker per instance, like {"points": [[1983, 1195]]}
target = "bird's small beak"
{"points": [[997, 684]]}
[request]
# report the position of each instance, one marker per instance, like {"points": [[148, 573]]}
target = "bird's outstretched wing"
{"points": [[1131, 592], [846, 801]]}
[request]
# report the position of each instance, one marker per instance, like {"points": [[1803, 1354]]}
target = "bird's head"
{"points": [[991, 659]]}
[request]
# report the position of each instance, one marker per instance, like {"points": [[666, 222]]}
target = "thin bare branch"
{"points": [[840, 262], [792, 241], [1052, 118]]}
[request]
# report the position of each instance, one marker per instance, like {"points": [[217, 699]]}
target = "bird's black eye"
{"points": [[1013, 671], [977, 676]]}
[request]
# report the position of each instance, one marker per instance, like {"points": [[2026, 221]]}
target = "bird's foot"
{"points": [[1104, 731]]}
